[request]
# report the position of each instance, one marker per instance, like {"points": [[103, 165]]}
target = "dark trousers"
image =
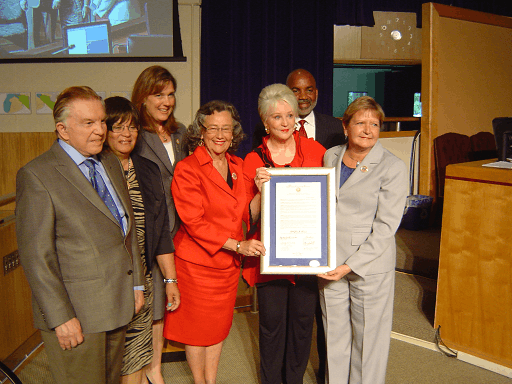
{"points": [[287, 314]]}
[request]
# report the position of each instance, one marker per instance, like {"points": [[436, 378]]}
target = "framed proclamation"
{"points": [[298, 223]]}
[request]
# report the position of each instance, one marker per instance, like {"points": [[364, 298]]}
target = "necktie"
{"points": [[99, 185], [302, 130]]}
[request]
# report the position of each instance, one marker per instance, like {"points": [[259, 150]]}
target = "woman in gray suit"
{"points": [[357, 296], [161, 140]]}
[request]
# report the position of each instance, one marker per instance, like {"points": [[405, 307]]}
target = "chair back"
{"points": [[483, 146], [450, 148]]}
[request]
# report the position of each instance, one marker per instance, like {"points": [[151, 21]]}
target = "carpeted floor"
{"points": [[413, 316], [418, 253]]}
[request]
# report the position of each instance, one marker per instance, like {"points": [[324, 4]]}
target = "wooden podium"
{"points": [[474, 288]]}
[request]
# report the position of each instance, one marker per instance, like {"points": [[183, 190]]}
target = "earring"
{"points": [[201, 143], [267, 130]]}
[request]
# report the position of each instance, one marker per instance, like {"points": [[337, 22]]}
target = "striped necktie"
{"points": [[99, 185], [302, 130]]}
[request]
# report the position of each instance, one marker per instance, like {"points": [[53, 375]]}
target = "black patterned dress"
{"points": [[139, 338]]}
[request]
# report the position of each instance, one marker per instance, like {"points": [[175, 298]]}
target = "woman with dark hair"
{"points": [[152, 223], [357, 296], [162, 141], [286, 303], [209, 192]]}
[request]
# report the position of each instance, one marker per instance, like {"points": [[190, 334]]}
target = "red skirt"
{"points": [[208, 297]]}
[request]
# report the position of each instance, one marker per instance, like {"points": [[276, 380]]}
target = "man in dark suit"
{"points": [[327, 130], [78, 246]]}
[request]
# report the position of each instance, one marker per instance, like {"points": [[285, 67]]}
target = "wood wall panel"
{"points": [[474, 292], [17, 149], [15, 302], [466, 76]]}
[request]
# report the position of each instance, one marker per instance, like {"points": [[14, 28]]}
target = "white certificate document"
{"points": [[298, 220]]}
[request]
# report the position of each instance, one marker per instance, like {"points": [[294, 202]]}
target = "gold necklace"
{"points": [[163, 136]]}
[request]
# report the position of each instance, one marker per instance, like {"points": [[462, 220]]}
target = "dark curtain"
{"points": [[247, 45]]}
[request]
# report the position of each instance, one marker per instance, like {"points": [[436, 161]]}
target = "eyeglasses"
{"points": [[120, 128], [212, 130], [215, 130]]}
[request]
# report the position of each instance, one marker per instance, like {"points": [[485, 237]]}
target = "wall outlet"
{"points": [[11, 262]]}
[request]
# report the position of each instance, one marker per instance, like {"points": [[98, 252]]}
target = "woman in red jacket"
{"points": [[286, 303], [209, 193]]}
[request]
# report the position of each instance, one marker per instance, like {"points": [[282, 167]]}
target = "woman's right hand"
{"points": [[262, 176], [252, 248]]}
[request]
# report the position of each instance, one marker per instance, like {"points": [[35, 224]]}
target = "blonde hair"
{"points": [[363, 102]]}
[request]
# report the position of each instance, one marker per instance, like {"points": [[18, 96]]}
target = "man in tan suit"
{"points": [[77, 245]]}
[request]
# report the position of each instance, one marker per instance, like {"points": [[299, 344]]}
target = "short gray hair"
{"points": [[271, 95], [194, 131]]}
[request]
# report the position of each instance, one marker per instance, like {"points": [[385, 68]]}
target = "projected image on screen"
{"points": [[88, 29], [86, 39], [417, 105]]}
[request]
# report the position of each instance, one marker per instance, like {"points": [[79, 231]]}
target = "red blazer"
{"points": [[210, 211], [309, 153]]}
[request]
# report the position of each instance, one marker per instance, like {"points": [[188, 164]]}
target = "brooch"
{"points": [[364, 168], [234, 176]]}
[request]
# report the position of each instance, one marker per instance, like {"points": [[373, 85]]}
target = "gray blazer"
{"points": [[369, 208], [74, 254]]}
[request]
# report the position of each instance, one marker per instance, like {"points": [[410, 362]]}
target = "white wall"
{"points": [[105, 77], [402, 148]]}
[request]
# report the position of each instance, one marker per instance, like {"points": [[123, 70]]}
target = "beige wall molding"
{"points": [[394, 37]]}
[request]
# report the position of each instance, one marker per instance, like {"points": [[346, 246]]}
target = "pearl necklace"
{"points": [[351, 158]]}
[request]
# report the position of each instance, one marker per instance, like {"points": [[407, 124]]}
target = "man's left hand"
{"points": [[139, 300]]}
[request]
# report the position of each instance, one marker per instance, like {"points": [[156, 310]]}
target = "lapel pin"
{"points": [[178, 141], [234, 176], [364, 168]]}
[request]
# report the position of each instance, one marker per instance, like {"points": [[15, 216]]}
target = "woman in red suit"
{"points": [[209, 192], [286, 303]]}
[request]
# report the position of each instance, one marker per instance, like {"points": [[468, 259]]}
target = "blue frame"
{"points": [[274, 260]]}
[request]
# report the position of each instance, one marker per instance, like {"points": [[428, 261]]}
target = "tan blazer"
{"points": [[76, 259]]}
